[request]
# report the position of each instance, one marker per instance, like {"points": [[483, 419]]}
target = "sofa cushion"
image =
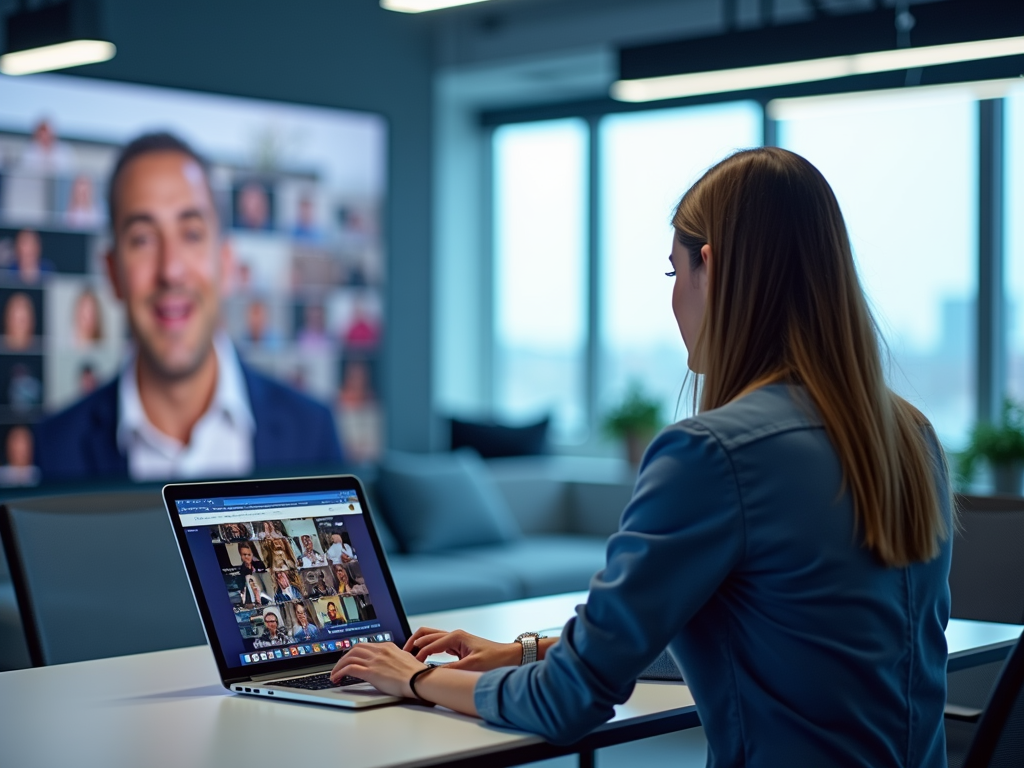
{"points": [[436, 502], [492, 440], [543, 565], [428, 583]]}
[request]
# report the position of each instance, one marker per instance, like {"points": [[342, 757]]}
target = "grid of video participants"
{"points": [[308, 285], [296, 586]]}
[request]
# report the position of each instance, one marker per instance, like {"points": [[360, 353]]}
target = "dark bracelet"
{"points": [[412, 685]]}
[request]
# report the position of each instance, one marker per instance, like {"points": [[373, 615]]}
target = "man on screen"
{"points": [[332, 615], [250, 564], [273, 634], [184, 405]]}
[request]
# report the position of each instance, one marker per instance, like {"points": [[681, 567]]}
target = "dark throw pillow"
{"points": [[493, 441], [443, 501]]}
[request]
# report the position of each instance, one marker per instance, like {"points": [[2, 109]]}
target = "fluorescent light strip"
{"points": [[60, 56], [861, 101], [769, 75], [419, 6]]}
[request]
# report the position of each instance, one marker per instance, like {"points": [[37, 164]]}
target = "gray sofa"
{"points": [[564, 510], [561, 511]]}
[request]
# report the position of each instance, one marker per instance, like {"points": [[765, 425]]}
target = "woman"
{"points": [[789, 545], [278, 555], [19, 322]]}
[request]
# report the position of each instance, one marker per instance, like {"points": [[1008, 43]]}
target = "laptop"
{"points": [[288, 575]]}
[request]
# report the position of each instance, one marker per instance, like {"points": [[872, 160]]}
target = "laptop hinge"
{"points": [[296, 673]]}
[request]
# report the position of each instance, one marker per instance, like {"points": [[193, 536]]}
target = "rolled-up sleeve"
{"points": [[679, 538]]}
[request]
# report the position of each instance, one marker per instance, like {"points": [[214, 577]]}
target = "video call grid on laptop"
{"points": [[287, 575]]}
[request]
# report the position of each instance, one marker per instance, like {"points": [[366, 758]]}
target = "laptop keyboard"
{"points": [[317, 682]]}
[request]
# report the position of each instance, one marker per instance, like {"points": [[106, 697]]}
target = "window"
{"points": [[540, 273], [904, 169], [903, 165], [648, 160], [1014, 249]]}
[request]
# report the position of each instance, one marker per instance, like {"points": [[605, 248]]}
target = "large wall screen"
{"points": [[300, 192]]}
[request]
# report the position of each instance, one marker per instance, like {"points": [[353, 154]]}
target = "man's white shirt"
{"points": [[221, 444]]}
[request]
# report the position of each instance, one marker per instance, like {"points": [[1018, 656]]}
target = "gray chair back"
{"points": [[999, 739], [986, 577], [98, 575]]}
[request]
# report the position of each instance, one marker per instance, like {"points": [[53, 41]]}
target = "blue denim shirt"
{"points": [[739, 553]]}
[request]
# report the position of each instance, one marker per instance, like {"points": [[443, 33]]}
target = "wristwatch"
{"points": [[529, 642]]}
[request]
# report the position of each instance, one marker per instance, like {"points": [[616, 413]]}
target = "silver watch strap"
{"points": [[529, 642]]}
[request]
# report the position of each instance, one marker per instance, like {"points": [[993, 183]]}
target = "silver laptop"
{"points": [[288, 575]]}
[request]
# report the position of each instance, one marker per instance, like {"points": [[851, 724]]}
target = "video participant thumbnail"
{"points": [[233, 532], [278, 554], [287, 586], [242, 554], [334, 539], [304, 627], [329, 612], [258, 590], [317, 582], [270, 630], [346, 583]]}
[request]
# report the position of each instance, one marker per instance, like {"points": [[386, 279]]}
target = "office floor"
{"points": [[685, 749]]}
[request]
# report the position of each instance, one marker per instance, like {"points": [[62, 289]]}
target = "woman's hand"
{"points": [[386, 667], [474, 653]]}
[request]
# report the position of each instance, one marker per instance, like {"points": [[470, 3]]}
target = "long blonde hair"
{"points": [[784, 304]]}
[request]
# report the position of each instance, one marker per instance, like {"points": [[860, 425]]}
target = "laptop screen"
{"points": [[291, 575]]}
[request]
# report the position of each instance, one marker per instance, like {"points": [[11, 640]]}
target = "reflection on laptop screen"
{"points": [[288, 575]]}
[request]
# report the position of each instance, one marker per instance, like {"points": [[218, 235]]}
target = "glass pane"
{"points": [[540, 261], [904, 168], [648, 160], [1014, 255]]}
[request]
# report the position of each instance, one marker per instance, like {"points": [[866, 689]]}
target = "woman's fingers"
{"points": [[443, 644], [383, 665], [412, 642]]}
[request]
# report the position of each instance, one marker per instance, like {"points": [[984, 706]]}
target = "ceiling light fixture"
{"points": [[55, 36], [420, 6], [906, 44], [792, 72]]}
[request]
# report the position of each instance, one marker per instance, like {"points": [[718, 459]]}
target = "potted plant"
{"points": [[635, 421], [1001, 446]]}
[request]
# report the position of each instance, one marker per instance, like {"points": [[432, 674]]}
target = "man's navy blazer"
{"points": [[292, 430]]}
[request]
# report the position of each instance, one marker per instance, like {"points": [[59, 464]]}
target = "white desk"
{"points": [[169, 709]]}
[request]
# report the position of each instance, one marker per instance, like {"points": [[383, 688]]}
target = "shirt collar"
{"points": [[231, 398]]}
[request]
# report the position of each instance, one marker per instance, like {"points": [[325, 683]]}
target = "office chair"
{"points": [[96, 575], [986, 577], [986, 583], [998, 740]]}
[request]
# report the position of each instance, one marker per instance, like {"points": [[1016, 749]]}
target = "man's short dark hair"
{"points": [[245, 544], [145, 145]]}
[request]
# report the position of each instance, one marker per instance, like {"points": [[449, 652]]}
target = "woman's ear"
{"points": [[708, 260]]}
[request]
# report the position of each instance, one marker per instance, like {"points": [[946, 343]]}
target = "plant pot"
{"points": [[1009, 478], [636, 444]]}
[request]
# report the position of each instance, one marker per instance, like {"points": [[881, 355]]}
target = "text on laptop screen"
{"points": [[288, 575]]}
